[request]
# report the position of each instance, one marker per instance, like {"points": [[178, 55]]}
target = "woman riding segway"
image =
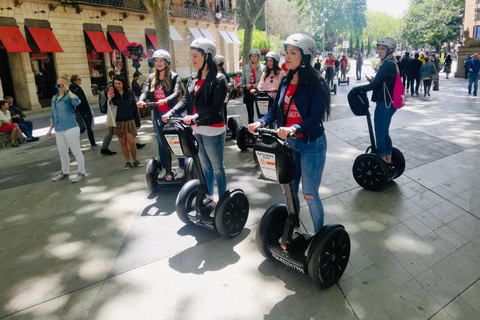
{"points": [[232, 125], [272, 75], [163, 88]]}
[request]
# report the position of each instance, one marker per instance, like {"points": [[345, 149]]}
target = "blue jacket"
{"points": [[474, 65], [310, 100], [63, 112]]}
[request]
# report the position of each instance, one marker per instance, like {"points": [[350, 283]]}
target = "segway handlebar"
{"points": [[263, 91], [273, 132], [178, 119]]}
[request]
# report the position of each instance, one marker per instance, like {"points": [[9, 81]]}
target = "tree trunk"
{"points": [[159, 11], [247, 40], [369, 44]]}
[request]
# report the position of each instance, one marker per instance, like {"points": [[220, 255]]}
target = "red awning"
{"points": [[120, 40], [99, 41], [45, 40], [13, 40], [153, 40]]}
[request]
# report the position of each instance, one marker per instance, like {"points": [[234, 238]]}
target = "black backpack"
{"points": [[358, 102], [103, 99]]}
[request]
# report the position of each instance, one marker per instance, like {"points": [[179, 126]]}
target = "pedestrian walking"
{"points": [[301, 107], [67, 132], [435, 81], [413, 72], [203, 101], [83, 108], [427, 74], [404, 69], [108, 137], [448, 65], [473, 73], [127, 120], [317, 66], [163, 87], [359, 62], [252, 73], [465, 64]]}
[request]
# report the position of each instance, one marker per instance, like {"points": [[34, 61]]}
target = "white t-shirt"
{"points": [[5, 117]]}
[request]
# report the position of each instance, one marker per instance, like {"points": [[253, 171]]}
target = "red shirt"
{"points": [[252, 75], [160, 95], [330, 63], [344, 63], [293, 116]]}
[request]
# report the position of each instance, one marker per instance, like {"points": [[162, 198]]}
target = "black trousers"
{"points": [[87, 116], [249, 100]]}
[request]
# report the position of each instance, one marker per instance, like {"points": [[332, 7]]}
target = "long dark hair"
{"points": [[276, 68], [126, 88], [223, 71], [306, 73], [211, 65]]}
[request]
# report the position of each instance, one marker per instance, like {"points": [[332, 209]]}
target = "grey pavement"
{"points": [[105, 248]]}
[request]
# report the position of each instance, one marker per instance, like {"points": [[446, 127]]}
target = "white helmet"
{"points": [[303, 42], [273, 55], [219, 59], [204, 44], [162, 54], [254, 51], [388, 42]]}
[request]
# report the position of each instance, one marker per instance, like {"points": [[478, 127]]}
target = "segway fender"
{"points": [[319, 236]]}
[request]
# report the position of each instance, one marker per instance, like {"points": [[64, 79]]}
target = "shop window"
{"points": [[96, 66], [43, 67]]}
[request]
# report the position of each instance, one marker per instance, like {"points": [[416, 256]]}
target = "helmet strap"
{"points": [[302, 65]]}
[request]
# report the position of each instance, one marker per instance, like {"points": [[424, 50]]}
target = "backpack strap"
{"points": [[386, 89]]}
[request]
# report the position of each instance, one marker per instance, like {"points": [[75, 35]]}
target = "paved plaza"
{"points": [[107, 249]]}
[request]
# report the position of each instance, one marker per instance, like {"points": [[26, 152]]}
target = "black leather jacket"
{"points": [[208, 101], [171, 96]]}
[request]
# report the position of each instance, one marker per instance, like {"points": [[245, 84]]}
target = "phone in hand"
{"points": [[110, 90], [57, 86]]}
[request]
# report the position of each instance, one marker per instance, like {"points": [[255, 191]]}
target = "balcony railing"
{"points": [[189, 12]]}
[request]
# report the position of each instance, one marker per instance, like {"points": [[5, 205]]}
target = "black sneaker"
{"points": [[107, 152], [391, 169], [128, 166], [140, 145]]}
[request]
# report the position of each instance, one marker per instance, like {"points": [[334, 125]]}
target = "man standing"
{"points": [[359, 61], [404, 67], [473, 72], [251, 76], [18, 117], [108, 138], [413, 72]]}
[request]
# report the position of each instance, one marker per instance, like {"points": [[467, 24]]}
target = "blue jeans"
{"points": [[310, 160], [473, 79], [161, 151], [383, 117], [26, 127], [359, 72], [415, 80], [211, 158]]}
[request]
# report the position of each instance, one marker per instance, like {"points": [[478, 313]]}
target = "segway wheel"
{"points": [[329, 258], [186, 200], [242, 138], [231, 213], [348, 80], [233, 126], [271, 228], [151, 173], [398, 161], [370, 172], [335, 88]]}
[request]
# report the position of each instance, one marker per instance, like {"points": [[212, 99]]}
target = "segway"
{"points": [[229, 215], [369, 170], [330, 82], [343, 78], [323, 256], [154, 166], [232, 124], [263, 102]]}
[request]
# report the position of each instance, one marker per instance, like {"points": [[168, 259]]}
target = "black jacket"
{"points": [[84, 106], [404, 64], [413, 68], [208, 101], [171, 96], [127, 108], [386, 74], [136, 88]]}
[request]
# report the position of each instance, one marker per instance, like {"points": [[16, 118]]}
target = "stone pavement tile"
{"points": [[424, 201], [399, 237], [471, 221], [411, 261], [442, 315], [397, 308], [461, 202], [472, 251], [51, 310], [394, 271], [359, 259], [452, 276], [429, 219], [411, 206], [376, 281], [451, 236], [26, 314], [375, 312], [426, 252], [464, 229], [461, 310], [81, 301], [452, 209], [357, 293], [375, 250], [419, 299], [444, 193], [472, 296], [441, 246], [436, 287], [417, 226]]}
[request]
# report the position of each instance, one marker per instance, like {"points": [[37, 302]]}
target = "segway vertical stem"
{"points": [[370, 131]]}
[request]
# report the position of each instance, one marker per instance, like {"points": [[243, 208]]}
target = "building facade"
{"points": [[471, 20], [42, 40]]}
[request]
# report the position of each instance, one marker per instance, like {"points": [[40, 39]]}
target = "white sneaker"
{"points": [[162, 174], [59, 177], [78, 178], [180, 173]]}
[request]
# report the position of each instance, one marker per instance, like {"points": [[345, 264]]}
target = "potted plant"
{"points": [[136, 53]]}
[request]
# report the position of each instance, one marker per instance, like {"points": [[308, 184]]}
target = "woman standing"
{"points": [[6, 124], [300, 107], [273, 74], [220, 62], [127, 120], [67, 132], [448, 65], [384, 110], [84, 107], [427, 73], [162, 87], [203, 101]]}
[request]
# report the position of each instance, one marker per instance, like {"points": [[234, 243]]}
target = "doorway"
{"points": [[6, 75]]}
